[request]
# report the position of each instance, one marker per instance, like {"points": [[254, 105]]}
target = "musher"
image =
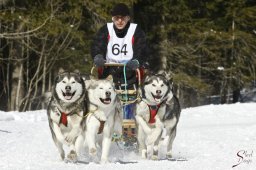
{"points": [[120, 42]]}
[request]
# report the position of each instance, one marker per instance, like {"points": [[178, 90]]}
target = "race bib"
{"points": [[120, 50]]}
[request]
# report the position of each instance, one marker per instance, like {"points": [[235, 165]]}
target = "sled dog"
{"points": [[66, 112], [157, 115], [103, 117]]}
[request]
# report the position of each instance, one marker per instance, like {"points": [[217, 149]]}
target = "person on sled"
{"points": [[120, 41]]}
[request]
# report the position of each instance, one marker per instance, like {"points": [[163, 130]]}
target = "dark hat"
{"points": [[120, 9]]}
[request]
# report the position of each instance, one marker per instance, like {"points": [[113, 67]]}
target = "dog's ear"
{"points": [[61, 70], [90, 82], [166, 74], [146, 76], [57, 78], [87, 84], [110, 78]]}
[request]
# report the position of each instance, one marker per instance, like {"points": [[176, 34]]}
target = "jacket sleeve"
{"points": [[140, 49], [100, 42]]}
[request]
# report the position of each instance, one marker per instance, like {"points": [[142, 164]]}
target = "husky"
{"points": [[66, 112], [104, 116], [157, 116]]}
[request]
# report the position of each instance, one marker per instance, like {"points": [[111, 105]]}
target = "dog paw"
{"points": [[104, 161], [154, 157], [169, 155], [93, 151], [144, 154], [72, 155], [153, 136], [70, 138]]}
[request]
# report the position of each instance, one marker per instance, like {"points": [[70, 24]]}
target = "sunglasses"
{"points": [[123, 18]]}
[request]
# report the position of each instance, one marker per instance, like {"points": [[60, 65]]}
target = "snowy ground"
{"points": [[209, 137]]}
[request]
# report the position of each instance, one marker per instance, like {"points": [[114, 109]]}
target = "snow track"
{"points": [[208, 138]]}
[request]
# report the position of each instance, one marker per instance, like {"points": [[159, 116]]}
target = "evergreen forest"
{"points": [[208, 46]]}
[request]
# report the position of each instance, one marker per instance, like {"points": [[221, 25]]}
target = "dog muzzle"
{"points": [[106, 100], [68, 95], [157, 98]]}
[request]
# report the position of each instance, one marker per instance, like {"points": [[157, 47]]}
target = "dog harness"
{"points": [[101, 126], [102, 123], [64, 119], [153, 112]]}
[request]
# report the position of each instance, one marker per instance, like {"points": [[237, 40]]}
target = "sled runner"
{"points": [[127, 83]]}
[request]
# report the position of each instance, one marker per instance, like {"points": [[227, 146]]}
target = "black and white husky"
{"points": [[66, 112], [104, 116], [157, 116]]}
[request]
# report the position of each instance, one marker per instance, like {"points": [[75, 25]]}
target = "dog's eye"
{"points": [[153, 85], [73, 82], [63, 81], [162, 85], [101, 88]]}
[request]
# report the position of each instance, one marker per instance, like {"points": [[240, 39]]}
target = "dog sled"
{"points": [[128, 93]]}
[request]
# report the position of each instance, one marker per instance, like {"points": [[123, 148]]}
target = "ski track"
{"points": [[209, 137]]}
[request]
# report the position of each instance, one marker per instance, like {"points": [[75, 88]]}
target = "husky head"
{"points": [[156, 88], [69, 86], [102, 92]]}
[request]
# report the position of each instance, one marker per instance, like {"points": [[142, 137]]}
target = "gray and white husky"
{"points": [[66, 112], [104, 116], [157, 116]]}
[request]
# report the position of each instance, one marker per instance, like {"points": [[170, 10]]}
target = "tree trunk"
{"points": [[19, 93], [14, 87], [44, 80]]}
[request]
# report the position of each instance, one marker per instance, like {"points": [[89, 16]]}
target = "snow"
{"points": [[209, 137]]}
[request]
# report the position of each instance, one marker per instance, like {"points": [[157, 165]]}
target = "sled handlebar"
{"points": [[119, 65], [114, 65]]}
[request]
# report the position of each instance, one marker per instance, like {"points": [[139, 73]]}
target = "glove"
{"points": [[99, 60], [133, 65]]}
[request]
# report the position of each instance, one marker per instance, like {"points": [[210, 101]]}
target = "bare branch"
{"points": [[19, 35]]}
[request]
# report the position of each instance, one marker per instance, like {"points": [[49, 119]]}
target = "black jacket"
{"points": [[100, 43]]}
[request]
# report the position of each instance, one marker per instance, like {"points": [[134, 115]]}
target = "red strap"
{"points": [[100, 72], [108, 37], [141, 73], [153, 113], [64, 119]]}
